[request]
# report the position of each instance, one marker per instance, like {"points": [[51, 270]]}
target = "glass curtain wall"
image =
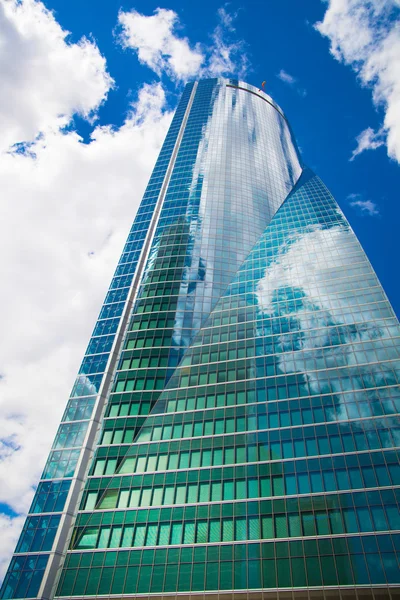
{"points": [[271, 459], [207, 202]]}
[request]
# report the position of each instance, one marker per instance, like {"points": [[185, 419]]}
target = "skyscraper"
{"points": [[234, 423]]}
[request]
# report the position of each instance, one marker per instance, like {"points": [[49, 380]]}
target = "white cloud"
{"points": [[66, 210], [292, 81], [367, 207], [368, 140], [10, 531], [302, 261], [306, 263], [283, 76], [226, 18], [65, 218], [366, 36], [226, 56], [158, 45], [44, 79]]}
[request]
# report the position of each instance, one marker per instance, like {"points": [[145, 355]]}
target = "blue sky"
{"points": [[83, 117]]}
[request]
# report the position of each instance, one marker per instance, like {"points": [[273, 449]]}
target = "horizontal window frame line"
{"points": [[44, 514], [344, 279], [276, 318], [369, 288], [314, 329], [248, 593], [141, 349], [233, 406], [145, 369], [224, 502], [170, 281], [66, 447], [278, 461], [57, 479], [283, 376], [71, 398], [103, 335], [276, 354], [238, 542], [219, 435], [74, 421], [114, 301]]}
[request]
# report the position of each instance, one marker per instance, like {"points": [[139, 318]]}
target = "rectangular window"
{"points": [[240, 529], [216, 494], [228, 490], [140, 532], [127, 537], [164, 534], [176, 534], [215, 531], [180, 497], [189, 533], [115, 537], [227, 530], [204, 492], [90, 501], [151, 537], [146, 497], [202, 532], [192, 492], [88, 539], [104, 537]]}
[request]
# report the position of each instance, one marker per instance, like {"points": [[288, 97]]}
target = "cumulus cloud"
{"points": [[292, 81], [65, 217], [324, 308], [159, 46], [226, 55], [44, 79], [66, 210], [368, 140], [366, 36], [305, 259], [10, 530], [367, 207], [157, 43]]}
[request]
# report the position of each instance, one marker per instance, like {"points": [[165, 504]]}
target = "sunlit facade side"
{"points": [[209, 198], [269, 464], [234, 427]]}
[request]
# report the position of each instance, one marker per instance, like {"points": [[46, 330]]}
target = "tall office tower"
{"points": [[234, 425]]}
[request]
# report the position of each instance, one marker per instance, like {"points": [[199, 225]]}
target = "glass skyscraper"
{"points": [[234, 426]]}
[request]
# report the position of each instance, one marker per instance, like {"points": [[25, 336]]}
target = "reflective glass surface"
{"points": [[251, 430], [70, 445], [270, 461]]}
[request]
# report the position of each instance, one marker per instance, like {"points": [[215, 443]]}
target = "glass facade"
{"points": [[235, 423]]}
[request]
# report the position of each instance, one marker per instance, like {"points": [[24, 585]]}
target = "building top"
{"points": [[252, 89]]}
